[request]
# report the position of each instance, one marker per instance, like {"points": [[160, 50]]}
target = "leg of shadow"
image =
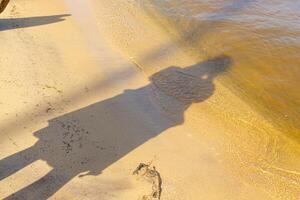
{"points": [[14, 163], [42, 188], [92, 138]]}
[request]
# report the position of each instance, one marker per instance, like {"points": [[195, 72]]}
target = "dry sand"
{"points": [[79, 112]]}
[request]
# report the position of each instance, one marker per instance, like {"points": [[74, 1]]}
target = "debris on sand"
{"points": [[3, 5], [153, 176]]}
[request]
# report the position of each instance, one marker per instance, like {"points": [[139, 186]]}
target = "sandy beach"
{"points": [[91, 89]]}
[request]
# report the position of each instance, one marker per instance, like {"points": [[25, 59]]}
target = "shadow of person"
{"points": [[92, 138], [15, 23]]}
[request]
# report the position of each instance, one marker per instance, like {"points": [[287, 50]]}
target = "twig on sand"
{"points": [[3, 5], [152, 175]]}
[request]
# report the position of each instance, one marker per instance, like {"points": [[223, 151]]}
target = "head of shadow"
{"points": [[88, 140], [16, 23]]}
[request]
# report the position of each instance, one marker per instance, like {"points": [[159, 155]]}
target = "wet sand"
{"points": [[90, 90]]}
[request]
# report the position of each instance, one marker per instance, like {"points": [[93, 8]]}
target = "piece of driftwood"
{"points": [[3, 5]]}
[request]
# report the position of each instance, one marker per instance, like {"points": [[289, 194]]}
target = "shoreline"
{"points": [[82, 69], [247, 121]]}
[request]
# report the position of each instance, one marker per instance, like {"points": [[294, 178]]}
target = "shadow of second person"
{"points": [[92, 138], [17, 23]]}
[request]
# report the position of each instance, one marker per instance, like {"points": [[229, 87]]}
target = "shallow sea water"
{"points": [[262, 37]]}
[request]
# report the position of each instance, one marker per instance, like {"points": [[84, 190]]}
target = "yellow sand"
{"points": [[77, 105]]}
